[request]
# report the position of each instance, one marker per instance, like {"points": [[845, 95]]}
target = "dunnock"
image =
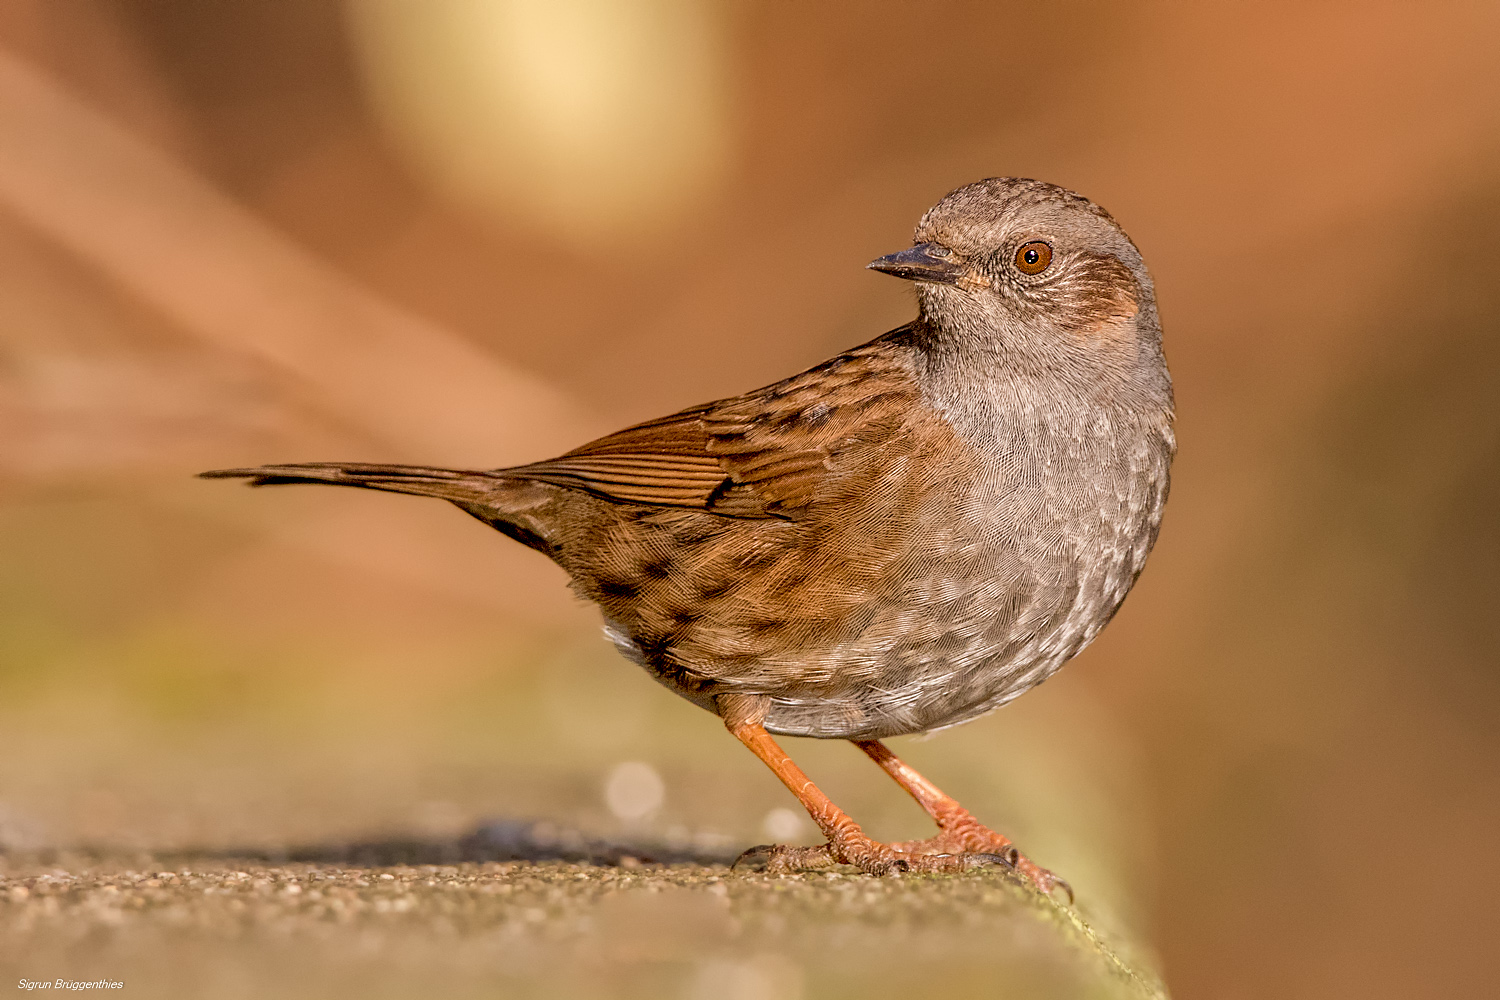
{"points": [[900, 539]]}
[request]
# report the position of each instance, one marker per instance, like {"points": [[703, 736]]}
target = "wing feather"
{"points": [[768, 453]]}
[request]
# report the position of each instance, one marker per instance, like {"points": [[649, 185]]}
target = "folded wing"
{"points": [[768, 453]]}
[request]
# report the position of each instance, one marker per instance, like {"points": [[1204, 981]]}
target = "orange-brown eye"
{"points": [[1033, 257]]}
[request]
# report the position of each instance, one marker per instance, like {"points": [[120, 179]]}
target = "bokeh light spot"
{"points": [[593, 120], [782, 824], [634, 790]]}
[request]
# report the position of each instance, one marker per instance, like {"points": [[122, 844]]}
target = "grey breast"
{"points": [[1011, 574]]}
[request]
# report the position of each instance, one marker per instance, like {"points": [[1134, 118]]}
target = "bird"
{"points": [[898, 540]]}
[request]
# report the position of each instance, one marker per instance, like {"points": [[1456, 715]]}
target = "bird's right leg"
{"points": [[847, 843]]}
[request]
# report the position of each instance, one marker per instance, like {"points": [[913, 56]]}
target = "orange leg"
{"points": [[847, 843], [959, 832]]}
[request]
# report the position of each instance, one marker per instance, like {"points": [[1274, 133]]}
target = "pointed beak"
{"points": [[923, 262]]}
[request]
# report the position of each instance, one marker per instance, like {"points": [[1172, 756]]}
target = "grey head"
{"points": [[1020, 279]]}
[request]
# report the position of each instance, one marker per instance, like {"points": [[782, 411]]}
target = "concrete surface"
{"points": [[224, 927]]}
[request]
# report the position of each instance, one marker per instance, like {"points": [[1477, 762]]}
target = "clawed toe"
{"points": [[869, 857], [949, 864], [878, 859], [1006, 859], [968, 861], [1049, 883], [981, 846], [785, 859], [750, 854], [1007, 856]]}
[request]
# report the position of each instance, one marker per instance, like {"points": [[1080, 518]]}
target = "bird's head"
{"points": [[1036, 274]]}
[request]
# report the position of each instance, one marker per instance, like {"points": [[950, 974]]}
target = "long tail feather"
{"points": [[458, 485]]}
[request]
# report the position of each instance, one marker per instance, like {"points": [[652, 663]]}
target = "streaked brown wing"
{"points": [[663, 461], [764, 454]]}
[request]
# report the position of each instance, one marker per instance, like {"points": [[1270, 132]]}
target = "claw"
{"points": [[1006, 859], [750, 853], [1059, 883], [1044, 881], [784, 859]]}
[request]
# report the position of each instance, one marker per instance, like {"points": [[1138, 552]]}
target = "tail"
{"points": [[459, 485], [509, 504]]}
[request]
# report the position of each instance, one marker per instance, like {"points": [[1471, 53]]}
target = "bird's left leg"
{"points": [[959, 832]]}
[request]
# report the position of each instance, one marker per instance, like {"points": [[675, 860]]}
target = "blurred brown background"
{"points": [[478, 232]]}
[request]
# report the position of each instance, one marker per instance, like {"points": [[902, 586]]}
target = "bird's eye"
{"points": [[1033, 257]]}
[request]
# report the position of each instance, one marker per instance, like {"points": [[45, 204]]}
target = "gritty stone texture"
{"points": [[225, 927]]}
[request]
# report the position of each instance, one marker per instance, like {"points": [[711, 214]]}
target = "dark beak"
{"points": [[919, 264]]}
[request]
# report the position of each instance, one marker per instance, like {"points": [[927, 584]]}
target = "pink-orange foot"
{"points": [[870, 857], [960, 832], [967, 836]]}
